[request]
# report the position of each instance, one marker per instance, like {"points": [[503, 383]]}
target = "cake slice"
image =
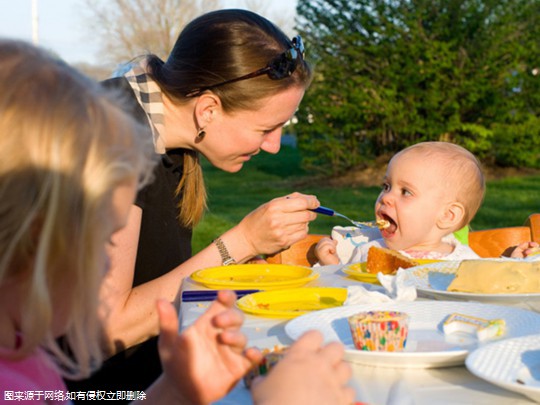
{"points": [[387, 261], [497, 277]]}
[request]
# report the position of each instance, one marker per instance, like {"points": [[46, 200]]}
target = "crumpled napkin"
{"points": [[398, 288]]}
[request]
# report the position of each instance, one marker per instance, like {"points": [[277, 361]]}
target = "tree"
{"points": [[390, 73], [128, 28]]}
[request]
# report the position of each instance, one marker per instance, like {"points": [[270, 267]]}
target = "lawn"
{"points": [[508, 201]]}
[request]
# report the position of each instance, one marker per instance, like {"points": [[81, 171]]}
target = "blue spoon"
{"points": [[331, 213]]}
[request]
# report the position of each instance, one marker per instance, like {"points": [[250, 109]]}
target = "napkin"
{"points": [[398, 288], [350, 237]]}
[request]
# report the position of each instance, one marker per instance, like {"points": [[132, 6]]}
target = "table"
{"points": [[373, 385]]}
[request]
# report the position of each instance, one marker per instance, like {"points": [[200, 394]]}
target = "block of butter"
{"points": [[483, 328], [497, 277]]}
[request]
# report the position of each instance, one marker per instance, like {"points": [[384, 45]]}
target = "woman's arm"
{"points": [[129, 313]]}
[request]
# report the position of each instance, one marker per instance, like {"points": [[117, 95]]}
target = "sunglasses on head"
{"points": [[280, 67]]}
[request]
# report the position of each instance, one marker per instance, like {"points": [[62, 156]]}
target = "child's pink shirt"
{"points": [[33, 379]]}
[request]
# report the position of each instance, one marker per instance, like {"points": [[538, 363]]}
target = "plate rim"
{"points": [[366, 276], [285, 314], [464, 295], [221, 283], [449, 357], [510, 385]]}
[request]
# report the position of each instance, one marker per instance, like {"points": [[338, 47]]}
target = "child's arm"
{"points": [[525, 249], [326, 251], [204, 362]]}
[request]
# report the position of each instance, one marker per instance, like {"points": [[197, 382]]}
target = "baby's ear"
{"points": [[452, 216]]}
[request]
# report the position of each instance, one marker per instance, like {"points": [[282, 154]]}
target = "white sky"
{"points": [[61, 25]]}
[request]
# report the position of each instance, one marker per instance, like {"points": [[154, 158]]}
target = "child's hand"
{"points": [[309, 373], [326, 251], [204, 362], [525, 249]]}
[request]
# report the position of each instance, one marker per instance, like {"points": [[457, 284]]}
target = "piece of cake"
{"points": [[497, 277], [270, 359], [382, 223], [483, 329], [379, 330], [387, 261]]}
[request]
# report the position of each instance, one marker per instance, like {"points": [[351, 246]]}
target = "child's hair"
{"points": [[65, 145], [463, 170]]}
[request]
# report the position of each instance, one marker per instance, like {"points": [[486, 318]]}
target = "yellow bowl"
{"points": [[255, 276], [291, 303]]}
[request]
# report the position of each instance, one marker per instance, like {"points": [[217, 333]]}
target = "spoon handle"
{"points": [[324, 210]]}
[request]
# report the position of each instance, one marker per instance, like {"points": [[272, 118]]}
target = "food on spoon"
{"points": [[270, 359], [387, 261], [483, 329], [497, 277], [382, 223], [379, 330]]}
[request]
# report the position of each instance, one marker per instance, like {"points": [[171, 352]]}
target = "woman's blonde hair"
{"points": [[65, 145]]}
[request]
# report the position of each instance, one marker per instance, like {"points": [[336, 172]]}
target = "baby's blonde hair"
{"points": [[463, 173], [65, 145]]}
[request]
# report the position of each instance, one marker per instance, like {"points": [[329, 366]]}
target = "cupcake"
{"points": [[270, 359], [379, 330]]}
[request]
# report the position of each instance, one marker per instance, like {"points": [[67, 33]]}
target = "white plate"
{"points": [[427, 346], [432, 280], [513, 364]]}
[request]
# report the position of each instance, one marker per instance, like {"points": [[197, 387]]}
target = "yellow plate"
{"points": [[358, 271], [292, 302], [255, 276]]}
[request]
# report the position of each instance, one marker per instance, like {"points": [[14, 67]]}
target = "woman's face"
{"points": [[232, 139]]}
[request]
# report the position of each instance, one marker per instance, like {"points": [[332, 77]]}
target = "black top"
{"points": [[163, 245]]}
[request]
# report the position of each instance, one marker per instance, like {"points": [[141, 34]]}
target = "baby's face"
{"points": [[414, 195]]}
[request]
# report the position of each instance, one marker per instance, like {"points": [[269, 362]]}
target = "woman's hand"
{"points": [[309, 373], [273, 226]]}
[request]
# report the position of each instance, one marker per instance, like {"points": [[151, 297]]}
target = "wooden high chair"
{"points": [[487, 243]]}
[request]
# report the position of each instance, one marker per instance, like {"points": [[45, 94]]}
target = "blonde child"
{"points": [[430, 190], [71, 161]]}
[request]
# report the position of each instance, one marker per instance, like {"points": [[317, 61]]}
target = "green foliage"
{"points": [[518, 145], [390, 73]]}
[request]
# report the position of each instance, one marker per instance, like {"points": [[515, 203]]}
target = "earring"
{"points": [[200, 135]]}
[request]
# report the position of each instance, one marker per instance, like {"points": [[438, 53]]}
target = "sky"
{"points": [[61, 25]]}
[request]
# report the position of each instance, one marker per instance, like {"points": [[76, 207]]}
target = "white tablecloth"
{"points": [[373, 385]]}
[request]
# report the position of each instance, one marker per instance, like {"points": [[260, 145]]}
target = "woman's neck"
{"points": [[179, 129]]}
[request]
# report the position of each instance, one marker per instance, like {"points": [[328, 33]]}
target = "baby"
{"points": [[430, 190]]}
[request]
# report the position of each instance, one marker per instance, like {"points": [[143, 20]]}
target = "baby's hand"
{"points": [[525, 249], [326, 251]]}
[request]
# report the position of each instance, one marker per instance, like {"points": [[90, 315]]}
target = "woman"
{"points": [[231, 82]]}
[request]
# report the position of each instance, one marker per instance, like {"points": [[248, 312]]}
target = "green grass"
{"points": [[508, 202]]}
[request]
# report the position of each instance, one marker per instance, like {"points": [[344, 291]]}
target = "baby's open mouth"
{"points": [[386, 224]]}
